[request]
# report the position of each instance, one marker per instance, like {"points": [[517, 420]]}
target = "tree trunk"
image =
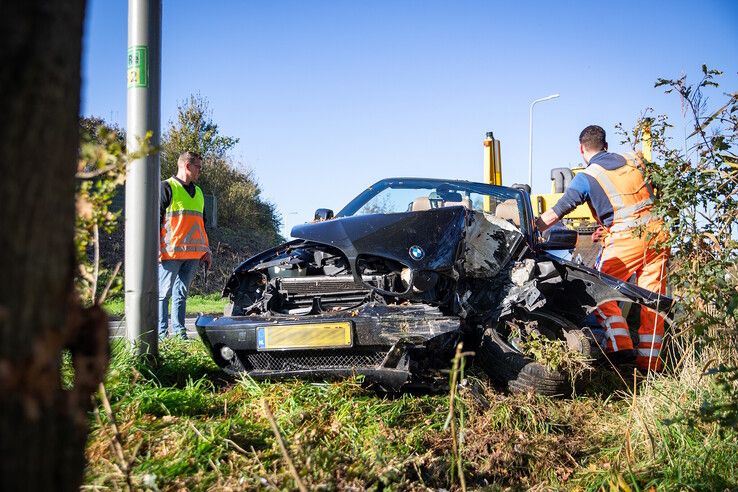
{"points": [[43, 427]]}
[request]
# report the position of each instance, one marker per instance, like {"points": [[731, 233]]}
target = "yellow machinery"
{"points": [[492, 160], [580, 218], [492, 165]]}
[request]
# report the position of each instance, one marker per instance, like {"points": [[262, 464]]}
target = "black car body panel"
{"points": [[438, 232], [575, 291], [402, 278]]}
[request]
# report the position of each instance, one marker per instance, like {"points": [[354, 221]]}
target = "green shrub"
{"points": [[696, 180]]}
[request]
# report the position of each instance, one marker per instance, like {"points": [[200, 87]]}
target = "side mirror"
{"points": [[559, 238], [323, 214]]}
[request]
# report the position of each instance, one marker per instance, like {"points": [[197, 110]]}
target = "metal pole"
{"points": [[142, 184], [530, 137], [530, 146]]}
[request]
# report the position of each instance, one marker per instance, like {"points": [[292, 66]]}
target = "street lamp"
{"points": [[530, 137]]}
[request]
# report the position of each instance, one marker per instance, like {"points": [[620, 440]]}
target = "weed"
{"points": [[554, 354], [183, 427]]}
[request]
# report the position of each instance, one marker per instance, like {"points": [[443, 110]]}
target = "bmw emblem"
{"points": [[416, 253]]}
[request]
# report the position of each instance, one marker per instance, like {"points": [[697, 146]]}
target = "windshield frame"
{"points": [[499, 192]]}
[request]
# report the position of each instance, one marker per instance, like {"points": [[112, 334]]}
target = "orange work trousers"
{"points": [[625, 253]]}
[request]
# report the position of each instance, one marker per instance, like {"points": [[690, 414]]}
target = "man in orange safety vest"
{"points": [[621, 201], [183, 241]]}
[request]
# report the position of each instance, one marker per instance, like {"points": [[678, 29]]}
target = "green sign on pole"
{"points": [[138, 66]]}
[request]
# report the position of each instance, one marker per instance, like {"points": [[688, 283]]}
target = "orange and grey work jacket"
{"points": [[183, 234], [615, 189]]}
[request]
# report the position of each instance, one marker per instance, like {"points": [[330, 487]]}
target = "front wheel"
{"points": [[517, 372]]}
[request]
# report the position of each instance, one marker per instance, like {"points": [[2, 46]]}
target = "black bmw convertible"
{"points": [[388, 286]]}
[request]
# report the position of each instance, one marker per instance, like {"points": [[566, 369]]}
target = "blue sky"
{"points": [[328, 97]]}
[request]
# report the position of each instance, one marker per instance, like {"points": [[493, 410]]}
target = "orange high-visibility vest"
{"points": [[183, 234], [630, 195]]}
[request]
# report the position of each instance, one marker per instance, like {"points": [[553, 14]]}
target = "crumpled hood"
{"points": [[437, 232]]}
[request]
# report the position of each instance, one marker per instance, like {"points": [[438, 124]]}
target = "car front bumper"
{"points": [[390, 345]]}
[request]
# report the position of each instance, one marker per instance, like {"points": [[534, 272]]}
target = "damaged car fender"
{"points": [[576, 290]]}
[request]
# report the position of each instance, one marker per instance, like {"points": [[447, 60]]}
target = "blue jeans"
{"points": [[175, 277]]}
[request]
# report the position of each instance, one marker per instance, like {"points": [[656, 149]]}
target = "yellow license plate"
{"points": [[307, 336]]}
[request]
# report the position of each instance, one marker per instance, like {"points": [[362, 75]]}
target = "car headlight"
{"points": [[227, 353]]}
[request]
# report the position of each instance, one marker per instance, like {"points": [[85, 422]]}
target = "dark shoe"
{"points": [[621, 357]]}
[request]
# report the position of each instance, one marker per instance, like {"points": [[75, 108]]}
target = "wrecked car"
{"points": [[391, 284]]}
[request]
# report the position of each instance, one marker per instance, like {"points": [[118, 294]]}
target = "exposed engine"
{"points": [[308, 278]]}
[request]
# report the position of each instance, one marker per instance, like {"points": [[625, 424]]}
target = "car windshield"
{"points": [[392, 196]]}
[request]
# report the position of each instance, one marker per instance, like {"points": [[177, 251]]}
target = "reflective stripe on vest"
{"points": [[631, 223], [630, 196], [183, 234]]}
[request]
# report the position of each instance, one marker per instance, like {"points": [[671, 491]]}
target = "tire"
{"points": [[518, 373]]}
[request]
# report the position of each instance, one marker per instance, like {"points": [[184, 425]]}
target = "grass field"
{"points": [[209, 304], [183, 425]]}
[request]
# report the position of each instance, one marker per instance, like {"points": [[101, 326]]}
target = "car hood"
{"points": [[433, 235]]}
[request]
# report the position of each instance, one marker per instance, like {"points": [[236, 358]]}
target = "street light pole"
{"points": [[142, 184], [530, 137]]}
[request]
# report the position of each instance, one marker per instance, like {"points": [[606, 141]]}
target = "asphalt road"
{"points": [[118, 328]]}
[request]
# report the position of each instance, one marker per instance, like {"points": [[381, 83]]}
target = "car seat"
{"points": [[420, 203], [508, 210], [464, 202]]}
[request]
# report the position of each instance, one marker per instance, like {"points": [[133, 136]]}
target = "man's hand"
{"points": [[546, 220], [207, 259], [599, 234]]}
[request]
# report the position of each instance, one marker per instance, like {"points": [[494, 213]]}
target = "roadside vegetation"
{"points": [[246, 222], [183, 425], [696, 178], [180, 423]]}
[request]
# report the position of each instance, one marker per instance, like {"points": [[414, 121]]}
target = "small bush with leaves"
{"points": [[698, 199], [101, 170], [240, 205]]}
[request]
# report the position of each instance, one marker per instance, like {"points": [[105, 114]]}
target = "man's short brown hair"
{"points": [[593, 138], [189, 157]]}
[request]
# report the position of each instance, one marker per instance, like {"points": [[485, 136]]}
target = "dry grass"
{"points": [[192, 434]]}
